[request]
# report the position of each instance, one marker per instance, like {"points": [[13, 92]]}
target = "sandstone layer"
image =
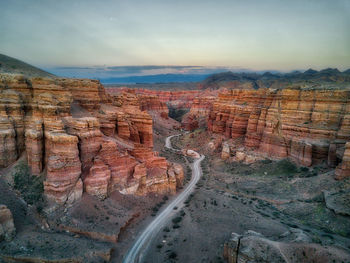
{"points": [[197, 103], [81, 138], [308, 126]]}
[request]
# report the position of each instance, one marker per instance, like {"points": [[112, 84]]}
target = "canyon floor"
{"points": [[274, 198], [269, 197]]}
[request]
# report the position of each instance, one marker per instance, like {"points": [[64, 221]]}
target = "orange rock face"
{"points": [[63, 183], [307, 125], [198, 102], [197, 116], [154, 103], [178, 98], [81, 138], [343, 169]]}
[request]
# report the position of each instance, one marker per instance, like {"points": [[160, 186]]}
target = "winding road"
{"points": [[137, 251]]}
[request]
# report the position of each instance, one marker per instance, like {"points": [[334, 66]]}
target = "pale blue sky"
{"points": [[254, 34]]}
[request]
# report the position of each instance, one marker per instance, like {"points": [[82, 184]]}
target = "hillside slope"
{"points": [[12, 65]]}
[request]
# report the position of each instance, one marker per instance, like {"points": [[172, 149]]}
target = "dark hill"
{"points": [[12, 65]]}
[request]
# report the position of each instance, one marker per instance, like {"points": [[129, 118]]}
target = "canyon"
{"points": [[81, 139], [307, 123], [88, 166]]}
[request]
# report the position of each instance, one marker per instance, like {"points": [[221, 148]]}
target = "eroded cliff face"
{"points": [[197, 103], [177, 98], [81, 139], [306, 125]]}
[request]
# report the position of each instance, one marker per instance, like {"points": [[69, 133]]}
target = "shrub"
{"points": [[172, 255], [177, 219], [30, 186], [286, 166], [266, 161], [304, 169]]}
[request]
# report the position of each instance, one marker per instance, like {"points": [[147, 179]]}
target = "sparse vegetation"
{"points": [[177, 219], [30, 186], [172, 255]]}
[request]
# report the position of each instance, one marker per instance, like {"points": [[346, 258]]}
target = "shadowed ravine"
{"points": [[137, 251]]}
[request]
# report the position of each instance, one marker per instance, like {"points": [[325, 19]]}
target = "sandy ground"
{"points": [[263, 197]]}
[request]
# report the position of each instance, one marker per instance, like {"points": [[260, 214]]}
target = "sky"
{"points": [[249, 34]]}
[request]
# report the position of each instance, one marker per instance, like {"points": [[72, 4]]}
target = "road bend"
{"points": [[139, 248]]}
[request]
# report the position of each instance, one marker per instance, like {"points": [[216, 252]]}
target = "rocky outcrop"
{"points": [[177, 170], [343, 169], [338, 201], [292, 246], [197, 102], [97, 181], [34, 140], [63, 183], [154, 104], [191, 153], [81, 139], [7, 227], [198, 114], [11, 126], [132, 123], [306, 125], [90, 94], [226, 152], [87, 130], [177, 98]]}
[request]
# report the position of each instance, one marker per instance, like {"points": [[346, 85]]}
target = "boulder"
{"points": [[7, 227], [225, 152]]}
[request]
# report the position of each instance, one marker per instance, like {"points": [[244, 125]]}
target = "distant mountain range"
{"points": [[159, 78], [277, 80], [204, 75]]}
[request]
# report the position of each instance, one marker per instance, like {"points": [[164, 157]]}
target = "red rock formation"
{"points": [[87, 129], [297, 123], [90, 94], [34, 145], [97, 181], [81, 138], [179, 98], [63, 183], [199, 102], [11, 126], [178, 171], [153, 103], [343, 169]]}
